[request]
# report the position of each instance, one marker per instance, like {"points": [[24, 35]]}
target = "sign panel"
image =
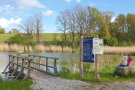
{"points": [[97, 46], [87, 52]]}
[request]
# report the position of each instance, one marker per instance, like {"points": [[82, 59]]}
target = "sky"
{"points": [[14, 12]]}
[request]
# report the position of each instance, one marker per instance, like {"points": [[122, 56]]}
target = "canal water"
{"points": [[68, 60]]}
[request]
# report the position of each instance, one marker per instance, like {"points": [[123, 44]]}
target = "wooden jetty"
{"points": [[20, 67]]}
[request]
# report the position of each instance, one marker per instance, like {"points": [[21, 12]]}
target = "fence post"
{"points": [[46, 64], [29, 68], [55, 68], [39, 62]]}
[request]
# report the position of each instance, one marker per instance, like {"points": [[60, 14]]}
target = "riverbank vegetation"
{"points": [[106, 74], [15, 85], [107, 70]]}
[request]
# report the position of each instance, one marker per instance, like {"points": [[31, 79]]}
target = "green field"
{"points": [[43, 37]]}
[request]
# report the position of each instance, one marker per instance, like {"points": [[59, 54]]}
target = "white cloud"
{"points": [[68, 0], [48, 13], [29, 3], [113, 19], [78, 1], [6, 23], [92, 4], [6, 8]]}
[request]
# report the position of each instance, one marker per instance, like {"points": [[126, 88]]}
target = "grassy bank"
{"points": [[106, 74], [15, 85]]}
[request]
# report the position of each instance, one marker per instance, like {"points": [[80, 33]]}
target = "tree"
{"points": [[62, 24], [38, 25], [2, 30], [27, 26], [105, 20], [131, 26], [14, 30], [121, 26]]}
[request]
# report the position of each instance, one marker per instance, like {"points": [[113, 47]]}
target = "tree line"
{"points": [[89, 22]]}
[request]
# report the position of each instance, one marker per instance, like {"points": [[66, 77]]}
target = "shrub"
{"points": [[18, 39], [113, 41]]}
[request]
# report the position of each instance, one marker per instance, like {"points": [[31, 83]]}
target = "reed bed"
{"points": [[38, 48], [54, 48], [119, 50]]}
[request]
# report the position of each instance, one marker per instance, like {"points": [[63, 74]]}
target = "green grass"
{"points": [[43, 36], [106, 74], [15, 85]]}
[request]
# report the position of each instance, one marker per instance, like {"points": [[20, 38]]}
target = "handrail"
{"points": [[44, 57]]}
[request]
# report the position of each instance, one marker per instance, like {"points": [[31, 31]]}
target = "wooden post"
{"points": [[29, 68], [39, 62], [55, 68], [9, 62], [81, 62], [46, 64], [33, 62], [96, 67]]}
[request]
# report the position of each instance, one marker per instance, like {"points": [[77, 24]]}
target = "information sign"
{"points": [[97, 46], [87, 52]]}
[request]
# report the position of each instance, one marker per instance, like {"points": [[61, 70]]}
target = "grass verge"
{"points": [[15, 85], [106, 74]]}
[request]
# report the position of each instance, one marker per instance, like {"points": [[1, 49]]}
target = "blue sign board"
{"points": [[87, 52]]}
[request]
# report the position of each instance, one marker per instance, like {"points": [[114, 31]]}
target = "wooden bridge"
{"points": [[20, 67]]}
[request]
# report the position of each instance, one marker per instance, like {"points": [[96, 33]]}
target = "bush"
{"points": [[123, 43], [18, 39], [113, 41]]}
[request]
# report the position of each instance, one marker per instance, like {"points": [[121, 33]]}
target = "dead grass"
{"points": [[54, 48], [119, 50]]}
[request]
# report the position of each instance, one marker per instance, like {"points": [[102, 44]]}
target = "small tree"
{"points": [[14, 30], [2, 30]]}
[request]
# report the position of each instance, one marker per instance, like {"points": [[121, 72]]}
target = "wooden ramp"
{"points": [[37, 75], [32, 66]]}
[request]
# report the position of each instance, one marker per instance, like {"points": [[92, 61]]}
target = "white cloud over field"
{"points": [[4, 23]]}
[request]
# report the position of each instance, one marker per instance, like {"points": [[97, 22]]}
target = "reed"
{"points": [[55, 48], [119, 50]]}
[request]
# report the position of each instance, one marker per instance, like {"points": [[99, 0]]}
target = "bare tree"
{"points": [[38, 25], [27, 27], [62, 24]]}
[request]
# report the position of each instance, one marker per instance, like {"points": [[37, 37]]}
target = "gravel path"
{"points": [[56, 83]]}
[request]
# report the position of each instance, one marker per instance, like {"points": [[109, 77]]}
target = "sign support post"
{"points": [[96, 67], [81, 62]]}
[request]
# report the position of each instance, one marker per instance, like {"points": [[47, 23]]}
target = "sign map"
{"points": [[88, 55]]}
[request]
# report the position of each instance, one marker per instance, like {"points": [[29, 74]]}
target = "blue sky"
{"points": [[14, 12]]}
